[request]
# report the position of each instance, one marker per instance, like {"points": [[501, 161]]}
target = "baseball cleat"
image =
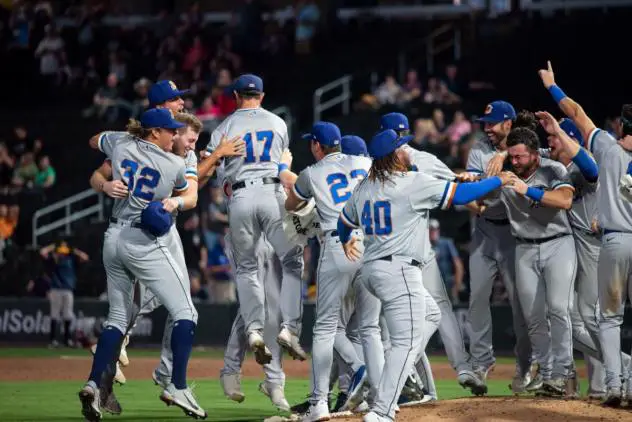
{"points": [[123, 359], [301, 408], [276, 395], [374, 417], [520, 381], [356, 392], [317, 412], [90, 406], [119, 376], [555, 387], [362, 407], [536, 383], [596, 395], [231, 384], [613, 397], [160, 380], [110, 403], [412, 390], [184, 399], [425, 400], [340, 401], [263, 356], [573, 390], [469, 379], [291, 343]]}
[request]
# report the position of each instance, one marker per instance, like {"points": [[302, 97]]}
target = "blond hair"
{"points": [[190, 120]]}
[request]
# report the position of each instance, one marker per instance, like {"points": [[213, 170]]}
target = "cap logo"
{"points": [[173, 86], [489, 108], [251, 85], [401, 126]]}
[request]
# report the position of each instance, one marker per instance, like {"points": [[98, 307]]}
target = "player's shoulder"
{"points": [[483, 146], [191, 158], [548, 165]]}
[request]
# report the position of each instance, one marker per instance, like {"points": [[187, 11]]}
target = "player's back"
{"points": [[331, 181], [614, 212], [584, 207], [425, 162], [150, 173], [266, 137], [394, 215]]}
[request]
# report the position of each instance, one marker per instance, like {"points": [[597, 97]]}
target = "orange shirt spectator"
{"points": [[8, 220]]}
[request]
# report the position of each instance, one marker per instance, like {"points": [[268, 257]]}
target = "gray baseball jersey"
{"points": [[480, 155], [615, 259], [393, 215], [150, 173], [425, 162], [266, 137], [584, 201], [331, 182], [533, 221]]}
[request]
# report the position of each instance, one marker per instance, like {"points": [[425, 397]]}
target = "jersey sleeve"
{"points": [[429, 192], [598, 142], [440, 170], [107, 141], [285, 137], [216, 137], [349, 214], [560, 178], [181, 180], [190, 163], [475, 161], [302, 187]]}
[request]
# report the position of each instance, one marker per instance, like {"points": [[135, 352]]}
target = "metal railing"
{"points": [[343, 98], [285, 113], [70, 215], [441, 39]]}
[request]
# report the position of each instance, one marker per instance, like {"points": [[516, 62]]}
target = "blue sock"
{"points": [[181, 345], [107, 346]]}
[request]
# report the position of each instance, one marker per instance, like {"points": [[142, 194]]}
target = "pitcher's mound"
{"points": [[510, 409]]}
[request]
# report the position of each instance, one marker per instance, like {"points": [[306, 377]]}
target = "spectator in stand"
{"points": [[91, 79], [450, 263], [140, 102], [20, 24], [459, 128], [433, 93], [307, 17], [224, 95], [46, 175], [412, 86], [49, 52], [199, 293], [8, 220], [60, 259], [219, 273], [22, 142], [388, 92], [117, 66], [26, 171], [438, 118], [208, 110], [216, 218], [7, 165], [194, 55], [107, 101]]}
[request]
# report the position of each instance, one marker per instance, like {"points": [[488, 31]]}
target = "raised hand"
{"points": [[547, 75], [548, 122]]}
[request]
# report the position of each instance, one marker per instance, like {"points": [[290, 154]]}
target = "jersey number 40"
{"points": [[376, 218], [339, 184], [252, 150], [143, 186]]}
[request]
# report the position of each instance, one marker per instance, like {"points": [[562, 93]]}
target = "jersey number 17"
{"points": [[252, 150]]}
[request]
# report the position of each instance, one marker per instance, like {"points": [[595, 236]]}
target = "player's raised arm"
{"points": [[566, 131], [572, 109]]}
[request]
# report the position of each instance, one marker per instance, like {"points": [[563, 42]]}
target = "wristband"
{"points": [[557, 93], [180, 203], [535, 193], [283, 167]]}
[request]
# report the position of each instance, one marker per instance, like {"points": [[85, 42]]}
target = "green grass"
{"points": [[57, 401]]}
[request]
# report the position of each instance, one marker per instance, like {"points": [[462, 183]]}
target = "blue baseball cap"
{"points": [[497, 112], [324, 133], [248, 83], [163, 91], [159, 118], [155, 219], [571, 130], [386, 142], [353, 145], [395, 121]]}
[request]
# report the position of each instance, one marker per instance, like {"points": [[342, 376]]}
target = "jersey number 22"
{"points": [[143, 186], [264, 136], [339, 184]]}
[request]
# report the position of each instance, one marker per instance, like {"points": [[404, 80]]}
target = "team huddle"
{"points": [[554, 224]]}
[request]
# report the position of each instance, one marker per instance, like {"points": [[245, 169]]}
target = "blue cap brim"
{"points": [[308, 136], [489, 120], [403, 140], [174, 125]]}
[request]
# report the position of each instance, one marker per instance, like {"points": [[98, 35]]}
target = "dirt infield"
{"points": [[492, 409]]}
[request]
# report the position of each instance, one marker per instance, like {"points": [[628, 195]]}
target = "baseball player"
{"points": [[140, 243], [615, 217], [492, 256], [256, 207], [390, 207], [330, 182], [449, 328], [270, 275], [546, 261]]}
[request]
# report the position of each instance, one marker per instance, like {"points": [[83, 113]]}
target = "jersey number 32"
{"points": [[143, 186]]}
